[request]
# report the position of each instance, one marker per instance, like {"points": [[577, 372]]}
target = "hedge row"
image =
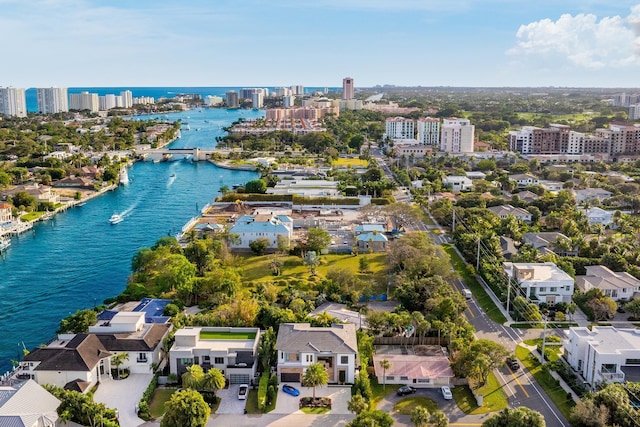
{"points": [[143, 405], [255, 197], [300, 200]]}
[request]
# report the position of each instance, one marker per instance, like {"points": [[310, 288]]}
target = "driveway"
{"points": [[229, 402], [124, 396], [339, 395]]}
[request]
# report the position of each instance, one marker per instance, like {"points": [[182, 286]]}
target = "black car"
{"points": [[404, 390], [512, 363]]}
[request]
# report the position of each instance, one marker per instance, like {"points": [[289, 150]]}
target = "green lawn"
{"points": [[378, 392], [211, 335], [408, 404], [481, 296], [546, 381], [315, 411], [160, 396], [464, 399], [257, 268], [252, 402], [493, 397], [31, 216]]}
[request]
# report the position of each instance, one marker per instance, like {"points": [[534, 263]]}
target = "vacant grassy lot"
{"points": [[343, 162], [257, 268], [160, 397], [209, 335], [481, 296], [493, 397], [550, 385], [408, 404]]}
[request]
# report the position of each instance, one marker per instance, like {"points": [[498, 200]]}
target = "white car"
{"points": [[243, 391], [446, 392]]}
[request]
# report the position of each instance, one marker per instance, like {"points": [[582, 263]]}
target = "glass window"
{"points": [[344, 360], [218, 360]]}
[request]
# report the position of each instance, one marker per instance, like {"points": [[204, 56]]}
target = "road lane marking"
{"points": [[520, 384]]}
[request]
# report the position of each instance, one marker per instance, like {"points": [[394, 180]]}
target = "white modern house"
{"points": [[249, 228], [457, 183], [541, 282], [234, 351], [505, 211], [591, 195], [616, 285], [335, 347], [603, 353], [524, 179]]}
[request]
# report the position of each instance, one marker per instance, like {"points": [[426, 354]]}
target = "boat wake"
{"points": [[171, 179]]}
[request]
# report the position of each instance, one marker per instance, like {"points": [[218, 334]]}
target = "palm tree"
{"points": [[213, 380], [384, 364], [193, 377], [118, 360], [315, 375], [420, 416]]}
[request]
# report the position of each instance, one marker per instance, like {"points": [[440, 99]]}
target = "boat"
{"points": [[124, 176], [116, 218], [173, 175], [4, 243], [81, 204]]}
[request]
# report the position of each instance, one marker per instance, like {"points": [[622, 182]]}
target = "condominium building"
{"points": [[13, 102], [535, 140], [248, 92], [257, 100], [288, 101], [429, 131], [297, 90], [283, 91], [232, 99], [107, 102], [52, 100], [84, 101], [127, 99], [347, 88], [310, 113], [634, 112], [400, 128], [457, 136]]}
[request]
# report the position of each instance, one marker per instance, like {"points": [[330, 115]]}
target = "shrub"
{"points": [[262, 391], [143, 405]]}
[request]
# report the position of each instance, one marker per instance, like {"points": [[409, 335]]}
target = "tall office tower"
{"points": [[52, 100], [232, 99], [347, 88], [429, 131], [400, 128], [457, 136], [257, 99], [297, 90], [84, 101], [127, 98], [13, 102]]}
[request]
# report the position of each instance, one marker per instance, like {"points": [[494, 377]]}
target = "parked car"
{"points": [[404, 390], [446, 392], [291, 390], [512, 363], [243, 391]]}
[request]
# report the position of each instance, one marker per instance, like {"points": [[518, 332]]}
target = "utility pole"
{"points": [[453, 225], [478, 257], [508, 291], [544, 336]]}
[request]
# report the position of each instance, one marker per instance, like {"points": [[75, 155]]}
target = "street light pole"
{"points": [[544, 336]]}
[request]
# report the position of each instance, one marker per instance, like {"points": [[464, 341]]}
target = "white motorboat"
{"points": [[116, 218]]}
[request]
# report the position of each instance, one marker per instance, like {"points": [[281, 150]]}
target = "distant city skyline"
{"points": [[488, 43]]}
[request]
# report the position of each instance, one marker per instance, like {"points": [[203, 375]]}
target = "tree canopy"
{"points": [[186, 408]]}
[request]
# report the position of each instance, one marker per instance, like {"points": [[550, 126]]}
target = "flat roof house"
{"points": [[335, 347], [234, 351], [604, 353], [458, 183], [541, 282]]}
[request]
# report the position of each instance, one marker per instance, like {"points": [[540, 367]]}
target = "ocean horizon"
{"points": [[159, 91]]}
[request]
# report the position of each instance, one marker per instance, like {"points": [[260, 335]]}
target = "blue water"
{"points": [[155, 92], [79, 259]]}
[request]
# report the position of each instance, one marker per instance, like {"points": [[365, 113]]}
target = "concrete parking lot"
{"points": [[229, 402], [287, 404]]}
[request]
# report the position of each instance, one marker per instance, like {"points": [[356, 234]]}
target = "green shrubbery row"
{"points": [[143, 405]]}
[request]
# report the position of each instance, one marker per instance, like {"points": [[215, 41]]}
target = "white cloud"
{"points": [[582, 40]]}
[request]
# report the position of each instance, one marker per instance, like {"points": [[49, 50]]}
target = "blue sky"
{"points": [[578, 43]]}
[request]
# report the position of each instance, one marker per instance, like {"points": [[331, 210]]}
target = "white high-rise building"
{"points": [[429, 131], [52, 100], [127, 99], [107, 102], [634, 111], [13, 102], [257, 100], [457, 136], [282, 91], [400, 128], [232, 99], [84, 101], [288, 101], [297, 90]]}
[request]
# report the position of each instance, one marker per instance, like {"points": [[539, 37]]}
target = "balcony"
{"points": [[615, 377]]}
